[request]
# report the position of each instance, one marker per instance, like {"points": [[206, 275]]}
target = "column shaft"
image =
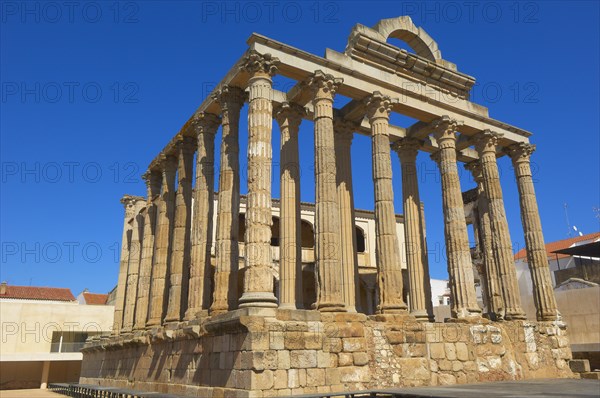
{"points": [[153, 179], [343, 141], [425, 262], [327, 217], [258, 276], [407, 150], [225, 292], [129, 204], [460, 267], [543, 292], [181, 252], [162, 244], [387, 249], [205, 126], [137, 237], [496, 307], [502, 247], [289, 117]]}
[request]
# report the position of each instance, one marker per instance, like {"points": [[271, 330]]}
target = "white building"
{"points": [[43, 329]]}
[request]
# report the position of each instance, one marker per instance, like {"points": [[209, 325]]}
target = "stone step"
{"points": [[590, 375], [579, 365]]}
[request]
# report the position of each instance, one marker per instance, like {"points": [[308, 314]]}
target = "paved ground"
{"points": [[529, 388], [29, 394], [506, 389]]}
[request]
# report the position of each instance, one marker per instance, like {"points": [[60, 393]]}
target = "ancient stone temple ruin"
{"points": [[225, 314]]}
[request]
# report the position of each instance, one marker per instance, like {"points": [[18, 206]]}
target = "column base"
{"points": [[393, 309], [420, 315], [257, 299], [153, 323], [517, 316], [331, 307]]}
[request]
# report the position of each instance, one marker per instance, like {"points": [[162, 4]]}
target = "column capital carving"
{"points": [[344, 130], [379, 106], [474, 167], [129, 202], [227, 96], [324, 85], [185, 144], [204, 122], [520, 152], [444, 128], [290, 113], [407, 148], [152, 178], [486, 141], [257, 63], [167, 162]]}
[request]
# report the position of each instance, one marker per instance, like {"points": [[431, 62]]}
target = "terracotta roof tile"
{"points": [[95, 298], [561, 244], [38, 293]]}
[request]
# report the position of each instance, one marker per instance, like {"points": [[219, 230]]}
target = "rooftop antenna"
{"points": [[567, 220]]}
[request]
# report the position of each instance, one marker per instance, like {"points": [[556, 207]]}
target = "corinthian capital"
{"points": [[324, 85], [203, 122], [520, 152], [379, 105], [228, 96], [185, 144], [407, 148], [445, 128], [254, 63], [152, 179], [289, 113], [486, 141]]}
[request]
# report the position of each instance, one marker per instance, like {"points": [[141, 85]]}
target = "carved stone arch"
{"points": [[404, 29]]}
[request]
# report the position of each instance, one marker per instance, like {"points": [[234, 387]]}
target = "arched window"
{"points": [[360, 240], [307, 234]]}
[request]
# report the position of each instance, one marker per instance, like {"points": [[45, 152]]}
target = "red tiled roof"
{"points": [[38, 293], [95, 298], [561, 244]]}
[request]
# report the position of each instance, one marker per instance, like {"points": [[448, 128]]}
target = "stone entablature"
{"points": [[176, 307]]}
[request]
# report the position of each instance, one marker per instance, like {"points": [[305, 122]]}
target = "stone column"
{"points": [[543, 292], [407, 150], [204, 126], [344, 132], [460, 267], [258, 276], [492, 279], [485, 144], [225, 294], [133, 269], [162, 241], [328, 264], [129, 203], [424, 256], [153, 179], [289, 116], [179, 270], [387, 251]]}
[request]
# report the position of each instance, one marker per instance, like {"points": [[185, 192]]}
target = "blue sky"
{"points": [[91, 91]]}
